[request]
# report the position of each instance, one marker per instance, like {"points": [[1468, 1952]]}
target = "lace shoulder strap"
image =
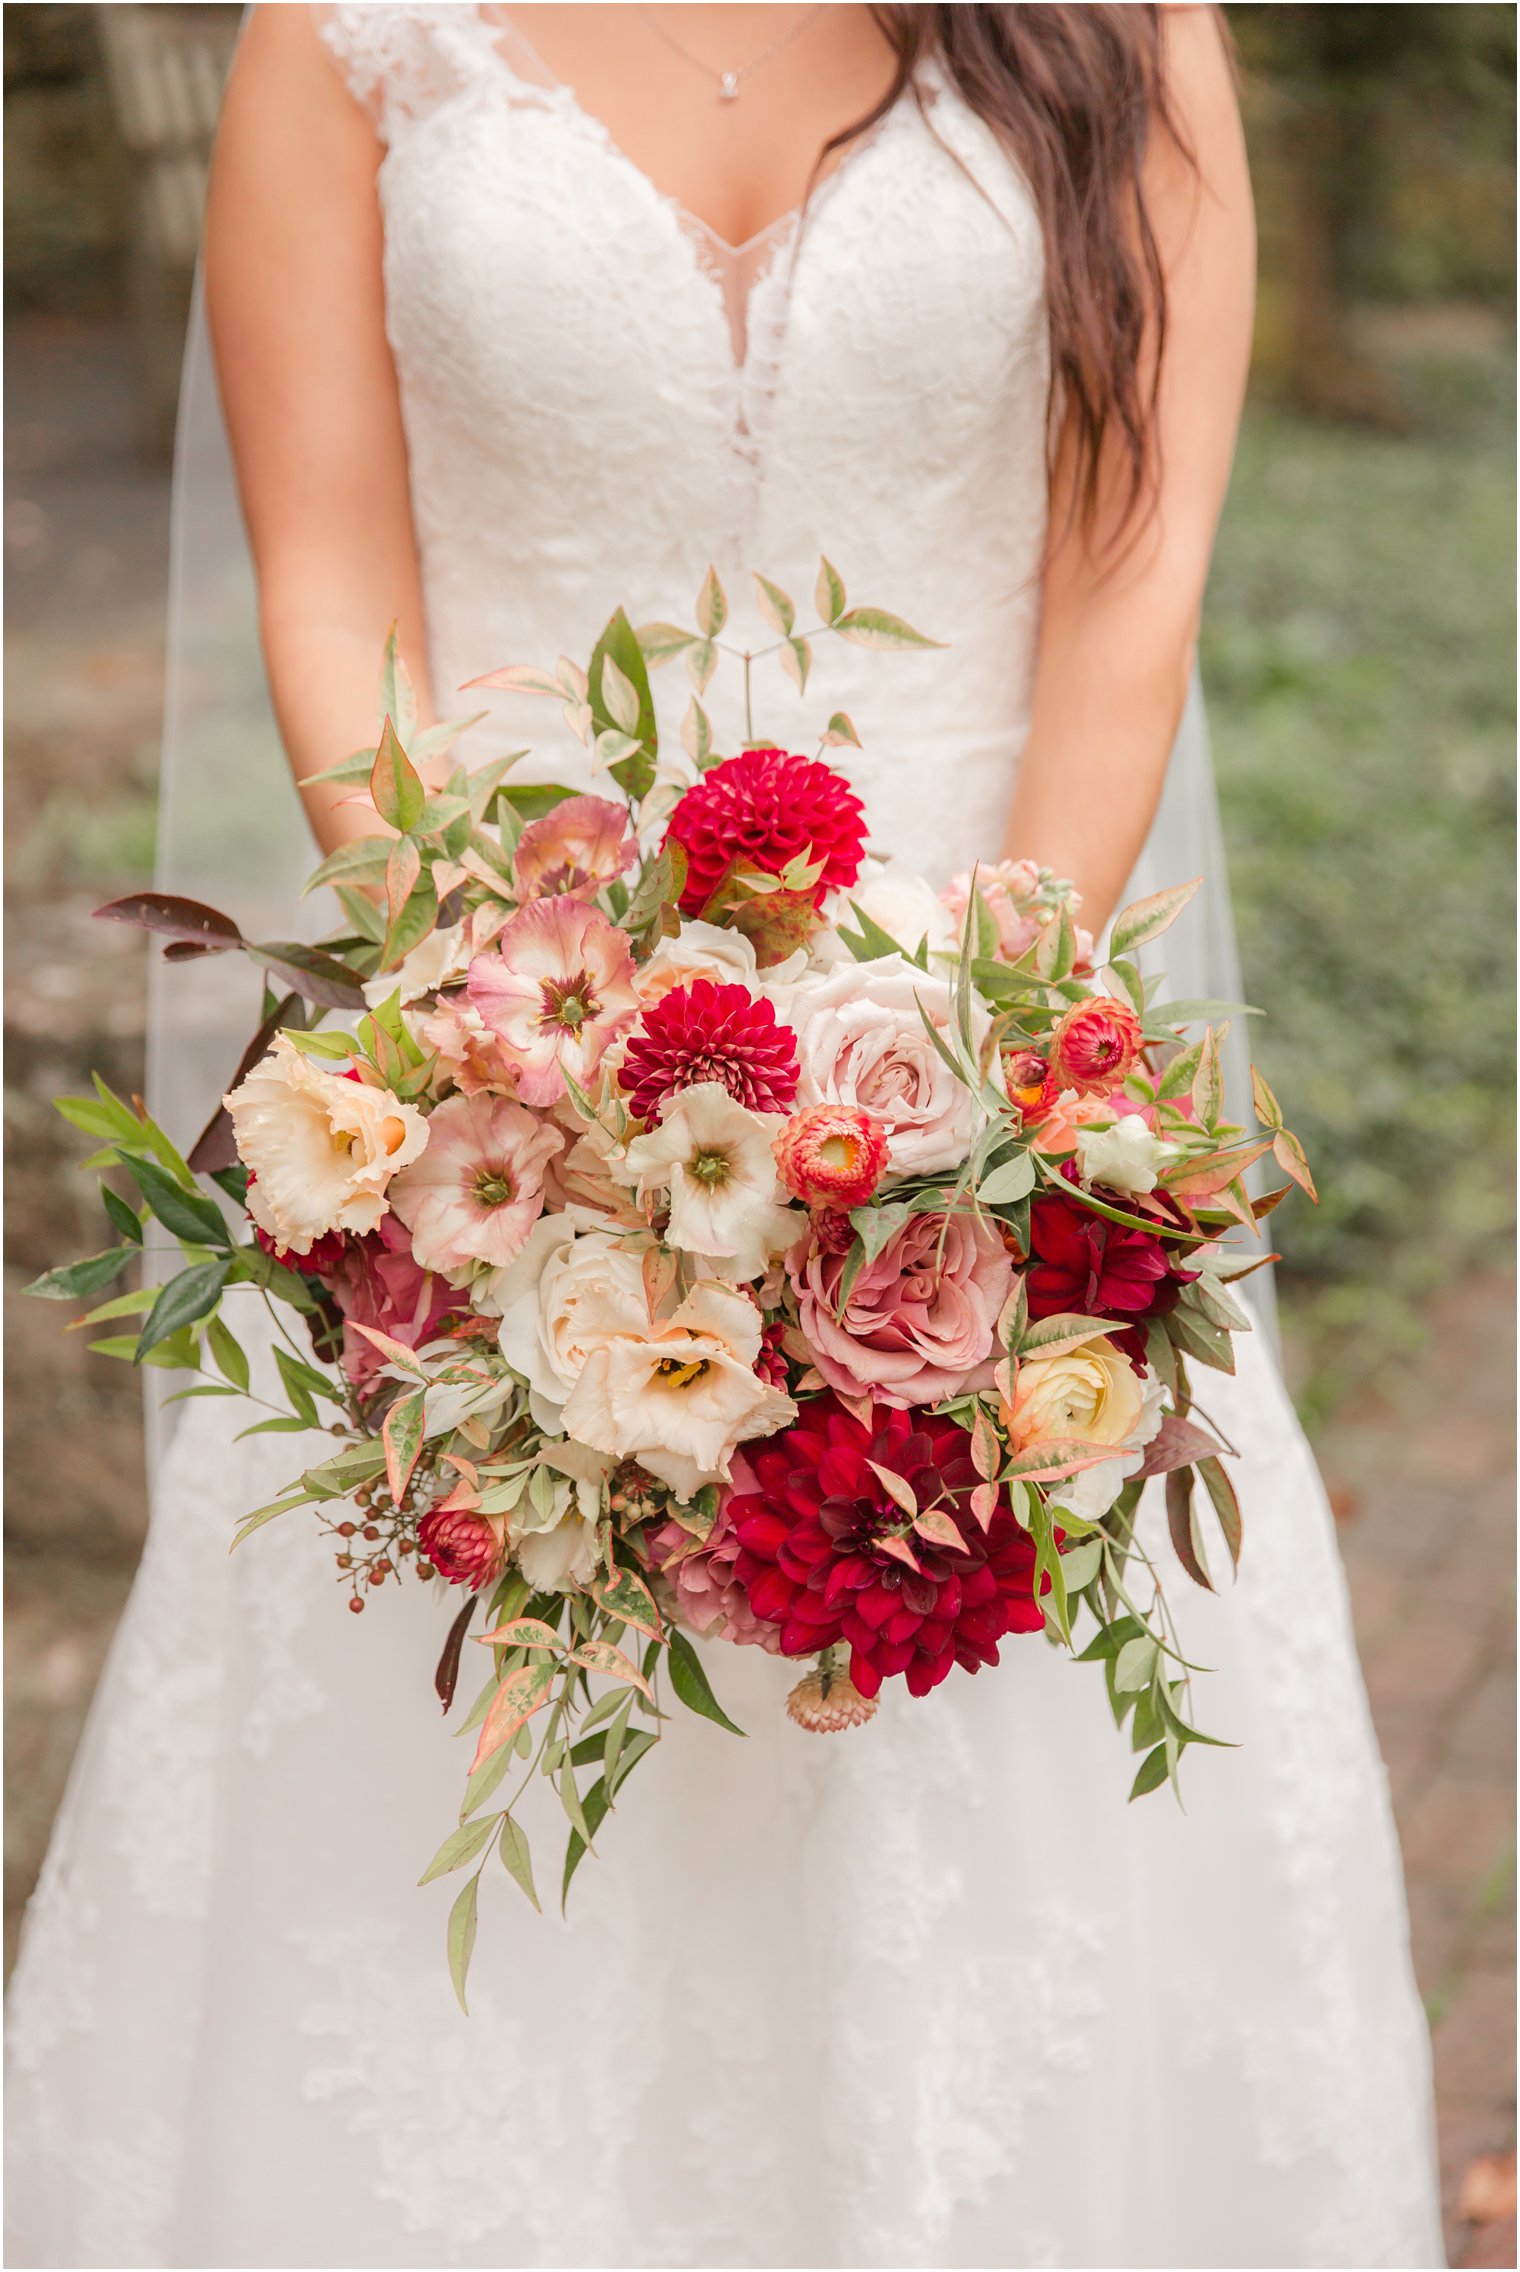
{"points": [[401, 62]]}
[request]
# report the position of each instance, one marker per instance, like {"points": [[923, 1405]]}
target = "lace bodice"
{"points": [[601, 398]]}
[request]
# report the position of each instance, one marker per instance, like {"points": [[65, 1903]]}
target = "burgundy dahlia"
{"points": [[763, 808], [708, 1032], [466, 1548], [1081, 1262], [826, 1555]]}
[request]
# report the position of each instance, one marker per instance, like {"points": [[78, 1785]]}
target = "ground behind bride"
{"points": [[1356, 655]]}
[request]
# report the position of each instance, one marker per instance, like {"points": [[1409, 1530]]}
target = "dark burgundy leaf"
{"points": [[1177, 1443], [176, 918], [320, 977], [446, 1678]]}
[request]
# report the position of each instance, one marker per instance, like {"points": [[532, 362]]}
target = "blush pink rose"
{"points": [[919, 1323]]}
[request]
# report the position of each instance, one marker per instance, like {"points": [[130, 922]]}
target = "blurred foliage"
{"points": [[67, 203], [1358, 652]]}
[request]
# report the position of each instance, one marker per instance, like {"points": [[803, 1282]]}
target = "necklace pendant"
{"points": [[728, 87]]}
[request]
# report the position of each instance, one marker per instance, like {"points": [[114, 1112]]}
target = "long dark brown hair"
{"points": [[1075, 95]]}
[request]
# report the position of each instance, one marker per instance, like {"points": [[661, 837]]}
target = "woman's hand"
{"points": [[296, 304], [1118, 629]]}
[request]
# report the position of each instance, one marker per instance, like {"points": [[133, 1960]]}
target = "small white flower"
{"points": [[714, 1157], [553, 1532], [442, 955], [1124, 1157]]}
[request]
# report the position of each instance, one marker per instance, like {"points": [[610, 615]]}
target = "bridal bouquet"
{"points": [[687, 1225]]}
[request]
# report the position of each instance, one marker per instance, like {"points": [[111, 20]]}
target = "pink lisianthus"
{"points": [[468, 1052], [380, 1283], [709, 1598], [920, 1320], [583, 843], [479, 1187], [556, 990]]}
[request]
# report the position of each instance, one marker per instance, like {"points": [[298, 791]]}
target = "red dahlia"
{"points": [[825, 1555], [763, 808], [1083, 1263], [708, 1032]]}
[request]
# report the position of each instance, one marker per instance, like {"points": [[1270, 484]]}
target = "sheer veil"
{"points": [[232, 832]]}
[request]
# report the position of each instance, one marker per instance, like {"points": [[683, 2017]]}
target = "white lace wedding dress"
{"points": [[924, 1995]]}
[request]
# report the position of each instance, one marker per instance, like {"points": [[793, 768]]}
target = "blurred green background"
{"points": [[1358, 657]]}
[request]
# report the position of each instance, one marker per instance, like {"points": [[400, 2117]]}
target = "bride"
{"points": [[518, 313]]}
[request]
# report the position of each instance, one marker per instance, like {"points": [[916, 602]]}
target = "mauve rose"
{"points": [[710, 1599], [378, 1283], [919, 1323]]}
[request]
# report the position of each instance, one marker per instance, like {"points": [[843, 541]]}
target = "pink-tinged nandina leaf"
{"points": [[523, 1633], [1146, 919], [1051, 1462], [897, 1488], [395, 786], [519, 678], [402, 1438], [466, 1467], [935, 1526], [520, 1695], [984, 1501], [397, 1351], [626, 1597], [1221, 1490], [1055, 1336], [1268, 1110], [1182, 1522], [900, 1551], [658, 1270], [601, 1656], [986, 1450], [402, 869], [1177, 1443], [463, 1499], [1207, 1172], [1290, 1157]]}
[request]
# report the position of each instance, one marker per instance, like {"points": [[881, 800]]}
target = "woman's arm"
{"points": [[295, 301], [1116, 641]]}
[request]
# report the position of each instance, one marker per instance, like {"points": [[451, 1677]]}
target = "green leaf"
{"points": [[227, 1354], [874, 627], [402, 1437], [362, 859], [181, 1302], [871, 941], [1182, 1522], [696, 735], [1151, 1774], [397, 697], [515, 1854], [1011, 1181], [1146, 919], [1226, 1505], [188, 1214], [460, 1846], [395, 784], [877, 1226], [619, 645], [87, 1276], [124, 1217], [595, 1807], [461, 1939], [690, 1682], [412, 923], [1135, 1663]]}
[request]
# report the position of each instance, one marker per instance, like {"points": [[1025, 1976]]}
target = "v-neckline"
{"points": [[498, 20]]}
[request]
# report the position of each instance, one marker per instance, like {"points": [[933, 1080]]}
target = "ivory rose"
{"points": [[1093, 1395], [920, 1320], [561, 1298], [861, 1042], [679, 1394], [322, 1148]]}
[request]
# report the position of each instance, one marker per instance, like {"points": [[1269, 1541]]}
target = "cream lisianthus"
{"points": [[321, 1148], [1094, 1395], [565, 1293], [715, 1158], [1127, 1157], [681, 1394], [442, 955]]}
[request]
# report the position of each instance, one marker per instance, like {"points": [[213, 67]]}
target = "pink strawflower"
{"points": [[583, 843], [706, 1032], [1095, 1046], [479, 1187], [555, 991], [467, 1548]]}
